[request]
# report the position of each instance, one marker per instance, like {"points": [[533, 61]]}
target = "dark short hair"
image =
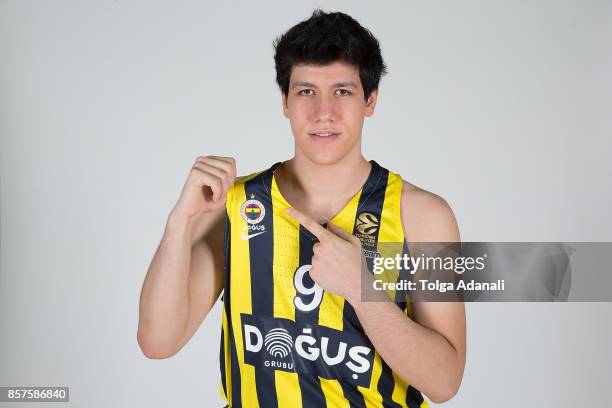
{"points": [[325, 38]]}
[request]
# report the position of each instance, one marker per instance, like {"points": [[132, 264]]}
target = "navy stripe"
{"points": [[235, 373], [226, 234], [404, 275], [310, 385], [371, 200], [236, 396], [307, 241], [386, 383], [222, 361], [352, 395], [414, 399], [262, 284]]}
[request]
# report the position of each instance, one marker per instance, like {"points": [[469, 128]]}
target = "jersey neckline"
{"points": [[356, 196]]}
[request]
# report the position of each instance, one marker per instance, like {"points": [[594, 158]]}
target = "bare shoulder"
{"points": [[427, 217]]}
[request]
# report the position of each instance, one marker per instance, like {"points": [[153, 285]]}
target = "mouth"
{"points": [[324, 136]]}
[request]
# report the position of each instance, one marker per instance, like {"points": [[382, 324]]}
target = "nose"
{"points": [[324, 108]]}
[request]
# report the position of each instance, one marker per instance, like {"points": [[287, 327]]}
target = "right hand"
{"points": [[206, 187]]}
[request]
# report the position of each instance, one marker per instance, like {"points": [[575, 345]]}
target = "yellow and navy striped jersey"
{"points": [[285, 342]]}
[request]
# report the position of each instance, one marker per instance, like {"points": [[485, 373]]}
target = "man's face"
{"points": [[327, 99]]}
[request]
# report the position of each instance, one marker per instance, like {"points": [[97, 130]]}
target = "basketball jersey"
{"points": [[285, 342]]}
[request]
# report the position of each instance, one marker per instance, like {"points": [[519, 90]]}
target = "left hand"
{"points": [[337, 258]]}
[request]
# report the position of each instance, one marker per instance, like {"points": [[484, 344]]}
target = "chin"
{"points": [[325, 157], [322, 154]]}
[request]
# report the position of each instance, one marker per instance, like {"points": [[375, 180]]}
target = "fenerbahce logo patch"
{"points": [[253, 212]]}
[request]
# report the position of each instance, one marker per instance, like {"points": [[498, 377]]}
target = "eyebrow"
{"points": [[336, 85]]}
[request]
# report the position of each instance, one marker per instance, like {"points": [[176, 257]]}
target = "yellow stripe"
{"points": [[287, 389], [400, 390], [285, 262], [391, 233], [334, 396], [240, 282], [286, 257], [391, 211], [332, 306], [372, 397], [409, 309]]}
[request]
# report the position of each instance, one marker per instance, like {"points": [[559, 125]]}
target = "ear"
{"points": [[285, 108], [371, 103]]}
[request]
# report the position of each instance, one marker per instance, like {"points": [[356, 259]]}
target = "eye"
{"points": [[300, 92], [346, 92]]}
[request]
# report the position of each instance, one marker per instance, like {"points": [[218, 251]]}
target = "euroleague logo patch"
{"points": [[367, 223], [252, 210]]}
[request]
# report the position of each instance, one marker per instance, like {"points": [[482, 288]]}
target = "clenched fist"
{"points": [[205, 189]]}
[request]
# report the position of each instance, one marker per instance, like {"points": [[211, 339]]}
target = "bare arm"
{"points": [[429, 351], [185, 276]]}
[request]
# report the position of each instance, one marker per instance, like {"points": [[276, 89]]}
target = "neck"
{"points": [[327, 186]]}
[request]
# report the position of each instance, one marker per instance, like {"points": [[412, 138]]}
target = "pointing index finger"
{"points": [[308, 223]]}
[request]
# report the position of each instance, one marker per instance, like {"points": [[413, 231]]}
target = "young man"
{"points": [[286, 247]]}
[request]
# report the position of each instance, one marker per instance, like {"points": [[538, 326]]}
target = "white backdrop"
{"points": [[502, 108]]}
